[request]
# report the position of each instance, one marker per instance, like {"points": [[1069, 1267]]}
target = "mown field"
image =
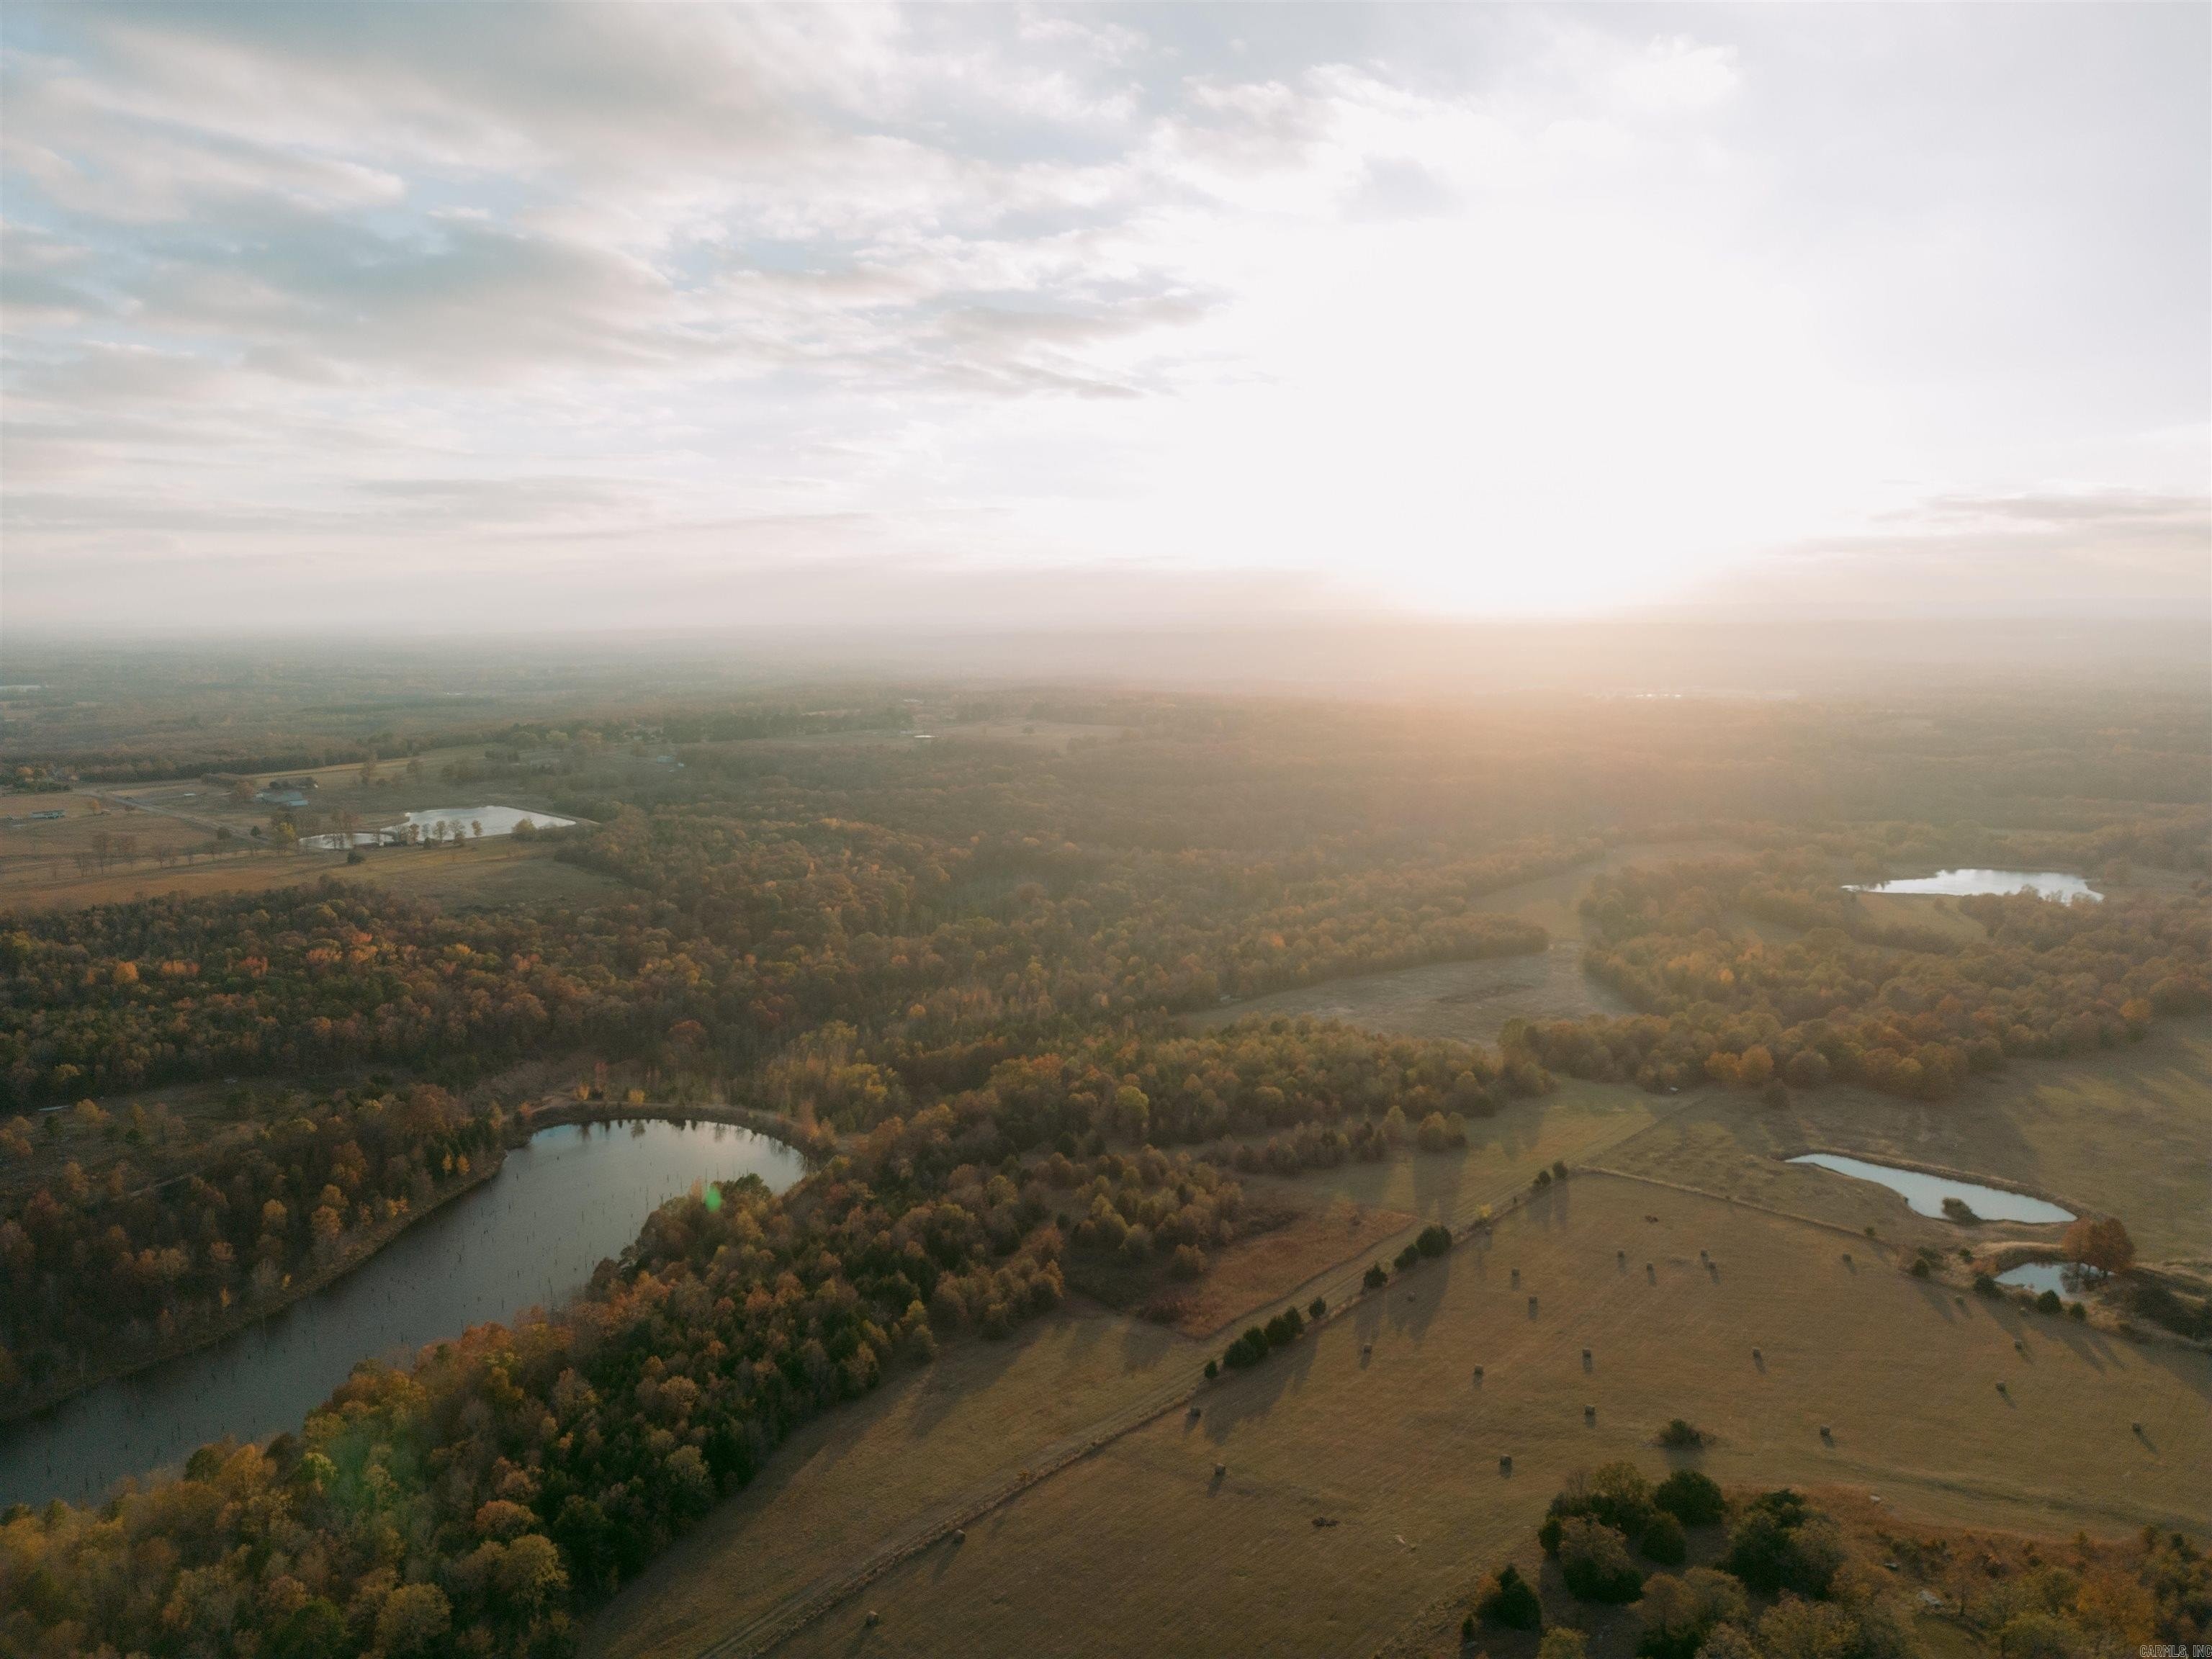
{"points": [[1378, 1423]]}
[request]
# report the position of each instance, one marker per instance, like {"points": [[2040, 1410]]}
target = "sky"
{"points": [[517, 318]]}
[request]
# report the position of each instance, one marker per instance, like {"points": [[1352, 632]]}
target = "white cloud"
{"points": [[1520, 311]]}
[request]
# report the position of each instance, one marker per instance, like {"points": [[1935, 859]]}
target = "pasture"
{"points": [[1471, 1001], [2127, 1132], [864, 1475], [1377, 1422]]}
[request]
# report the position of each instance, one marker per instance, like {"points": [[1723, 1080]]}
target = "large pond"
{"points": [[1925, 1193], [1965, 884], [532, 1234]]}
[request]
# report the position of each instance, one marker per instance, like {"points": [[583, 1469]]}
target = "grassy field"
{"points": [[859, 1478], [2126, 1132], [498, 872], [1377, 1422], [852, 1479], [1472, 1001]]}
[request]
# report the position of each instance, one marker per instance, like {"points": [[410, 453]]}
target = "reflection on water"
{"points": [[2071, 1280], [439, 822], [1925, 1193], [564, 1200], [1963, 883]]}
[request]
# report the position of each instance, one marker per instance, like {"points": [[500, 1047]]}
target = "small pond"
{"points": [[562, 1201], [1925, 1192], [458, 823], [2071, 1281], [1963, 883]]}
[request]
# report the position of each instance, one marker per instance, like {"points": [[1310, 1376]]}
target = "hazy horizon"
{"points": [[373, 320]]}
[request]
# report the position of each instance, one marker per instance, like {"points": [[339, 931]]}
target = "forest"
{"points": [[961, 973]]}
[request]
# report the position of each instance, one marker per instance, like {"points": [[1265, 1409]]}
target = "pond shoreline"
{"points": [[1943, 1172], [517, 1126]]}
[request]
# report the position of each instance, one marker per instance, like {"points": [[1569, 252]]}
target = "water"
{"points": [[532, 1234], [1962, 884], [2070, 1280], [1925, 1193], [459, 821]]}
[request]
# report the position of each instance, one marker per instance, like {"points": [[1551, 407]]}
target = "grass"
{"points": [[2127, 1132], [854, 1478], [1471, 1001], [1401, 1448], [1257, 1270], [496, 872], [857, 1478]]}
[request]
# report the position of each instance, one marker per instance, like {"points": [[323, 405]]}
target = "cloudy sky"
{"points": [[366, 317]]}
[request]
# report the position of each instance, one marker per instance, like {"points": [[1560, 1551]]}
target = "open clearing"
{"points": [[1141, 1549], [864, 1475], [1471, 1001], [2126, 1132], [858, 1476], [500, 874]]}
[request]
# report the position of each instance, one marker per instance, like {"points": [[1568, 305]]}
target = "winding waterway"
{"points": [[564, 1200]]}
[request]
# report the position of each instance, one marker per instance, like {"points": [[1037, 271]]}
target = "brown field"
{"points": [[42, 875], [884, 1468], [1275, 1264], [857, 1478], [1471, 1001], [1140, 1548], [2126, 1132]]}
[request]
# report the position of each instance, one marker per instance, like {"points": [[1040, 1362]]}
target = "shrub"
{"points": [[1780, 1544], [1920, 1268], [1663, 1541], [1958, 1210], [1986, 1284], [1559, 1169], [2050, 1303], [1248, 1349], [1511, 1602], [1594, 1560], [1438, 1132], [1680, 1435], [1408, 1256], [1316, 1307], [1376, 1277], [1680, 1613], [1212, 1370], [1692, 1498], [1543, 1180], [2103, 1244]]}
